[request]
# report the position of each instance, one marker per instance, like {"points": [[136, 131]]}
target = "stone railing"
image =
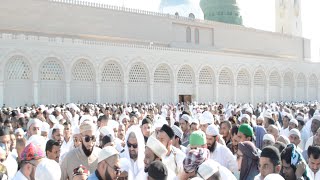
{"points": [[172, 17]]}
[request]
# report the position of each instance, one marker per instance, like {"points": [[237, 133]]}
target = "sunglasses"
{"points": [[132, 145], [90, 138], [115, 168]]}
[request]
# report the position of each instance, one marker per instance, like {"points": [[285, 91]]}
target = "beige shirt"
{"points": [[75, 158]]}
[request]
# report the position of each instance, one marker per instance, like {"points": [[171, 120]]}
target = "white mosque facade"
{"points": [[59, 51]]}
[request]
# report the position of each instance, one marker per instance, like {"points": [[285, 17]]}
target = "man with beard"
{"points": [[86, 154], [30, 157], [57, 133], [154, 151], [108, 165], [134, 150], [219, 152], [174, 158]]}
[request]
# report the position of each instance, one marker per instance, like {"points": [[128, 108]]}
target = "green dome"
{"points": [[226, 11]]}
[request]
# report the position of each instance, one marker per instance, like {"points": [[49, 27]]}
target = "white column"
{"points": [[151, 88], [125, 92], [1, 93], [196, 89], [216, 90], [281, 93], [251, 92], [267, 91], [234, 90], [68, 98], [175, 93], [294, 92], [98, 92], [35, 92], [306, 94]]}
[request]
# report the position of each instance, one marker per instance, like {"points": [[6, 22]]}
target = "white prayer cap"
{"points": [[295, 132], [48, 169], [86, 117], [58, 109], [27, 115], [249, 110], [269, 137], [58, 126], [208, 115], [207, 169], [267, 114], [316, 117], [107, 152], [283, 139], [186, 117], [36, 122], [204, 120], [19, 131], [123, 116], [75, 130], [105, 130], [124, 164], [294, 121], [177, 131], [45, 127], [212, 130], [194, 120], [285, 114], [53, 119], [156, 147], [87, 126], [274, 177], [245, 116], [159, 122], [300, 118], [113, 124]]}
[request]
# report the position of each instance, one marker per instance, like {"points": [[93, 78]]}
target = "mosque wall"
{"points": [[79, 19], [42, 69]]}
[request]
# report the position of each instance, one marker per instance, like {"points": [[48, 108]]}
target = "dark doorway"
{"points": [[185, 98]]}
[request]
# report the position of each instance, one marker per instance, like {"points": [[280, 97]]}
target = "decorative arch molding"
{"points": [[185, 75], [18, 75]]}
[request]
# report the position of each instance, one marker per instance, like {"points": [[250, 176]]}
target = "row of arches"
{"points": [[137, 84]]}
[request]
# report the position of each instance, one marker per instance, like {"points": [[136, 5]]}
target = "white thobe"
{"points": [[315, 176], [19, 176], [175, 160], [66, 147], [12, 165], [285, 132], [309, 143], [224, 156]]}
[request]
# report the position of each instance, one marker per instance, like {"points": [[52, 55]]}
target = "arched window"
{"points": [[196, 36], [188, 34]]}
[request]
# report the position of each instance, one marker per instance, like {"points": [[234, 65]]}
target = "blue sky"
{"points": [[259, 14]]}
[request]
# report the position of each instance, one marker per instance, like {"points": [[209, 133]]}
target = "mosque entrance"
{"points": [[185, 98]]}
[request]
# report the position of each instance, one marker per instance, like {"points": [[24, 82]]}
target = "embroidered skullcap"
{"points": [[81, 170], [194, 158], [45, 127], [186, 117], [177, 131], [105, 130], [32, 152], [19, 130], [156, 147]]}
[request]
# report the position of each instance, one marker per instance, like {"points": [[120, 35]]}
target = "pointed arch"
{"points": [[52, 87], [301, 87], [288, 86], [225, 85], [206, 85], [313, 88], [259, 86], [162, 78], [138, 86], [274, 86], [82, 86], [111, 82], [243, 86]]}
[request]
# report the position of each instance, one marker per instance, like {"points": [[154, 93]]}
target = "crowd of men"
{"points": [[161, 142]]}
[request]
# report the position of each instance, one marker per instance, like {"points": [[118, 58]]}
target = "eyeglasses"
{"points": [[132, 145], [90, 138], [115, 168]]}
